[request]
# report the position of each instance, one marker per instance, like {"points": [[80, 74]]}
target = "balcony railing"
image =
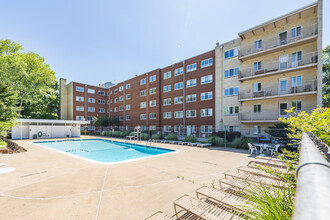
{"points": [[306, 31], [273, 67], [276, 91], [269, 114]]}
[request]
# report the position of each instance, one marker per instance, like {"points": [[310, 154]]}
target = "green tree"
{"points": [[8, 109], [31, 80], [326, 76], [102, 121]]}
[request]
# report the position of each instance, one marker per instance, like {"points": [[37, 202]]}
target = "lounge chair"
{"points": [[173, 142], [162, 216], [230, 200], [165, 141], [272, 163], [203, 145], [204, 209], [183, 143], [234, 183], [192, 144], [258, 172]]}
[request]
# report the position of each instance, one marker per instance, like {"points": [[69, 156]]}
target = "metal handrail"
{"points": [[313, 183]]}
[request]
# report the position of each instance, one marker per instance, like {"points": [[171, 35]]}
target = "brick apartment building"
{"points": [[243, 85]]}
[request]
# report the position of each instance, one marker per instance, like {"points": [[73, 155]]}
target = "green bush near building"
{"points": [[241, 142], [190, 138], [171, 137], [215, 140], [157, 136]]}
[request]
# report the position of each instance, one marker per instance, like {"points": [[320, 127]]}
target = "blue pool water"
{"points": [[104, 151]]}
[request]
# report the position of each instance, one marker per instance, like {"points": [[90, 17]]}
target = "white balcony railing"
{"points": [[276, 90], [276, 66], [306, 31]]}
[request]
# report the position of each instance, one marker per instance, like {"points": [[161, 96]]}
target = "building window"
{"points": [[100, 101], [80, 118], [178, 100], [121, 98], [152, 78], [128, 86], [90, 118], [296, 32], [206, 96], [178, 85], [91, 91], [191, 83], [167, 75], [167, 88], [143, 116], [191, 98], [191, 67], [91, 109], [296, 81], [79, 89], [208, 112], [178, 71], [128, 117], [152, 116], [91, 128], [121, 108], [256, 129], [167, 128], [191, 113], [128, 107], [257, 44], [231, 72], [91, 100], [231, 91], [167, 101], [116, 109], [152, 91], [231, 53], [101, 92], [80, 108], [207, 129], [230, 128], [178, 114], [167, 115], [257, 66], [79, 98], [207, 62], [116, 100], [257, 108], [152, 103], [256, 87], [152, 128], [143, 81], [116, 91], [206, 79], [128, 96], [143, 104], [296, 58], [121, 118], [143, 93], [297, 105], [121, 88], [101, 110], [232, 110]]}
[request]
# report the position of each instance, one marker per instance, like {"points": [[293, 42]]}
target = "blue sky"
{"points": [[94, 41]]}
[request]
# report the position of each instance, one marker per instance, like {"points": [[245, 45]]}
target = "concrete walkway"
{"points": [[52, 185]]}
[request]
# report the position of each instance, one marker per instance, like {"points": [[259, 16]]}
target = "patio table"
{"points": [[263, 147]]}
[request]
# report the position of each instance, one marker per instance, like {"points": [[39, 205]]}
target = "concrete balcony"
{"points": [[308, 34], [308, 60], [268, 115], [306, 88]]}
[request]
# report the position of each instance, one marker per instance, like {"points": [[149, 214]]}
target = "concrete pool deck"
{"points": [[52, 185]]}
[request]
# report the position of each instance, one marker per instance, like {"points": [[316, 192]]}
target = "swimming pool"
{"points": [[104, 151]]}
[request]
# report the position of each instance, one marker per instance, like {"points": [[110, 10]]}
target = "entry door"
{"points": [[189, 130], [283, 61], [283, 37], [283, 107]]}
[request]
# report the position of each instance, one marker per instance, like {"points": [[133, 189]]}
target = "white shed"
{"points": [[45, 128]]}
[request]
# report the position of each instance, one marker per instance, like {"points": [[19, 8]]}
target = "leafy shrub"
{"points": [[103, 133], [131, 134], [144, 136], [190, 138], [157, 136], [116, 134], [230, 135], [124, 134], [241, 142], [171, 137], [215, 140]]}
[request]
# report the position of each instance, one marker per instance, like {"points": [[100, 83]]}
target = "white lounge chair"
{"points": [[252, 149]]}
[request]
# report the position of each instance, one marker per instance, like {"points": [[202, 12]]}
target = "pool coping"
{"points": [[106, 163]]}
